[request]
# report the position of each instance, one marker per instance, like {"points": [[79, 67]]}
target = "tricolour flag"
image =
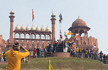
{"points": [[50, 67], [65, 34], [32, 15], [60, 18], [60, 32]]}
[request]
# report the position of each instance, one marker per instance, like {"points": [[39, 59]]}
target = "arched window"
{"points": [[37, 36], [16, 35], [76, 32], [42, 36], [81, 33], [22, 35], [32, 36], [27, 36], [47, 36]]}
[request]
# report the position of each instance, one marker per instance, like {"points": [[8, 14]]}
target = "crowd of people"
{"points": [[69, 47], [75, 51]]}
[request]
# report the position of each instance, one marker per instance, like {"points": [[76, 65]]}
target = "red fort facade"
{"points": [[33, 37]]}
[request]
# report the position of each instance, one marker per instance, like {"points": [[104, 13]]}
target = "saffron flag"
{"points": [[50, 67], [60, 18], [76, 36], [32, 15], [47, 36], [69, 33]]}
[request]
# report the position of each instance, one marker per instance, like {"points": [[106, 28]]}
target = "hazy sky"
{"points": [[93, 12]]}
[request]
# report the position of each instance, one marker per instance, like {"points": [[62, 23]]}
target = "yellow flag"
{"points": [[50, 67], [69, 33]]}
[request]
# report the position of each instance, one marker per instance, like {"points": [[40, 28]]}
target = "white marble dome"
{"points": [[47, 29], [37, 28], [42, 28], [17, 27], [22, 27], [32, 28], [27, 28]]}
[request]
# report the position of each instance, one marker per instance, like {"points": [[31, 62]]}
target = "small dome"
{"points": [[47, 29], [27, 28], [32, 28], [17, 28], [42, 29], [79, 22], [12, 12], [37, 28], [53, 15], [22, 27]]}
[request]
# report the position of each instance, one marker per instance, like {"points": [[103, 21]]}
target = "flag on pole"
{"points": [[60, 32], [65, 34], [60, 18], [32, 15], [69, 33], [50, 67]]}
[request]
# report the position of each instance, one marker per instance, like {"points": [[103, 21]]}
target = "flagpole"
{"points": [[60, 28], [32, 23]]}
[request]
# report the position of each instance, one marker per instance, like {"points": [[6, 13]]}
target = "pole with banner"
{"points": [[61, 37]]}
